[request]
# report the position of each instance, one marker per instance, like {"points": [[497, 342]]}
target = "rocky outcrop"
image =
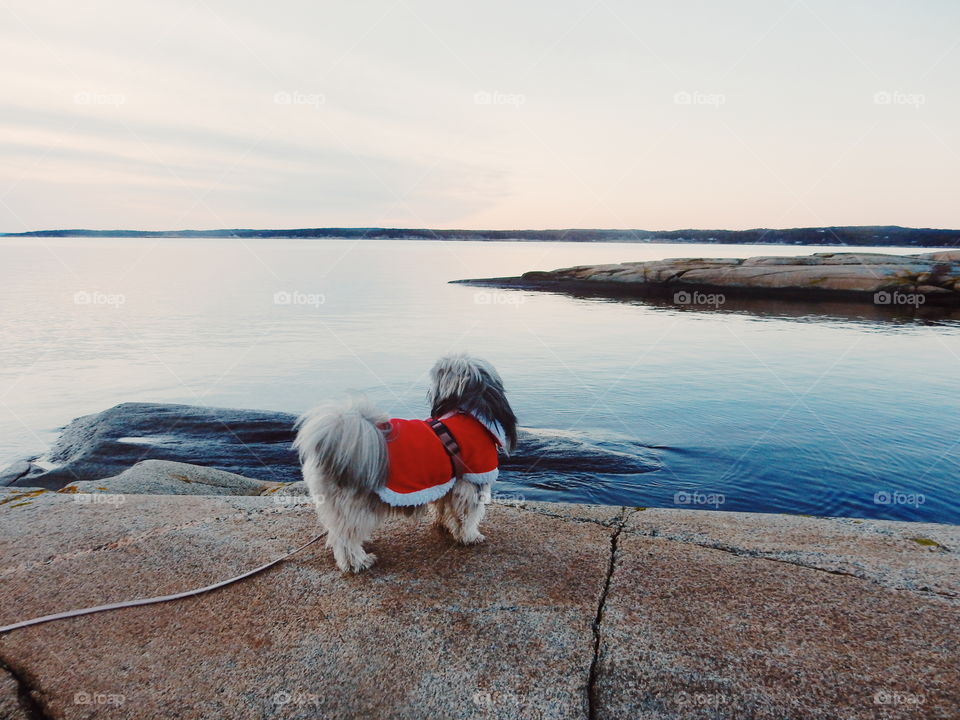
{"points": [[164, 477], [873, 277], [257, 444], [567, 611]]}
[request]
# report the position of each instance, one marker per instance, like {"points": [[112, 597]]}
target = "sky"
{"points": [[497, 115]]}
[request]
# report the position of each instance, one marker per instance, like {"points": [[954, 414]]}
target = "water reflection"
{"points": [[779, 308]]}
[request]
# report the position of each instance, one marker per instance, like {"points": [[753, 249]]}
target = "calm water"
{"points": [[776, 408]]}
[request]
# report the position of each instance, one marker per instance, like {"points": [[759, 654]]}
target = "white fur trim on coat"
{"points": [[419, 497], [484, 478]]}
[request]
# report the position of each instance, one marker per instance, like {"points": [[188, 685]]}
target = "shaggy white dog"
{"points": [[362, 466]]}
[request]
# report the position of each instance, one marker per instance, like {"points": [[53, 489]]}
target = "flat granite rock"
{"points": [[835, 276], [257, 444], [434, 630], [565, 612], [693, 632], [898, 555]]}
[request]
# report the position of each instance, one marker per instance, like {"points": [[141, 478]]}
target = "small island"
{"points": [[877, 278]]}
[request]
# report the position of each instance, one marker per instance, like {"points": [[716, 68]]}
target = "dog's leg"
{"points": [[466, 509], [350, 517], [443, 516]]}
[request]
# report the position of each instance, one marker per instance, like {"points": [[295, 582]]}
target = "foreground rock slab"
{"points": [[568, 611], [878, 278]]}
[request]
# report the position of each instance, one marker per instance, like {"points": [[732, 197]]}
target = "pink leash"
{"points": [[150, 601]]}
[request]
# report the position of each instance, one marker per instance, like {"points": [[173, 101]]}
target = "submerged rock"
{"points": [[257, 444], [853, 276]]}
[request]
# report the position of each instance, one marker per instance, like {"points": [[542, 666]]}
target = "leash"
{"points": [[151, 601]]}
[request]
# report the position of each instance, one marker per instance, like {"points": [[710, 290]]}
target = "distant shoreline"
{"points": [[852, 236]]}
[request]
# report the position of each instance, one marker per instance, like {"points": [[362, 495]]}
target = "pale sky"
{"points": [[607, 113]]}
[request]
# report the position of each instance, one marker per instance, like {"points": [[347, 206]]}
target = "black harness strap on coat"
{"points": [[451, 445]]}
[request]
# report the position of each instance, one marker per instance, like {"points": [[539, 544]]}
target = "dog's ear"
{"points": [[468, 384]]}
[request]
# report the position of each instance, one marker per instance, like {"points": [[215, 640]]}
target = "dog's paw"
{"points": [[363, 563], [473, 539]]}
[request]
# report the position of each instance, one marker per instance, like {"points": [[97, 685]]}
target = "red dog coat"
{"points": [[420, 469]]}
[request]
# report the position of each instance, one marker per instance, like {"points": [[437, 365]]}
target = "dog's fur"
{"points": [[343, 450]]}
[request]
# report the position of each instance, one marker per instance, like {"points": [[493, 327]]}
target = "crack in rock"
{"points": [[25, 694], [760, 555], [592, 700]]}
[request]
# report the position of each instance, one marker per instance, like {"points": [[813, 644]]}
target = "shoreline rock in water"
{"points": [[877, 278], [567, 611], [257, 444]]}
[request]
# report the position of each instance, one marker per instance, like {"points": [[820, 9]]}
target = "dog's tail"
{"points": [[346, 442]]}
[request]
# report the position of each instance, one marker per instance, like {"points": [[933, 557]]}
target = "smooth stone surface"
{"points": [[692, 632], [701, 615], [898, 555], [164, 477], [257, 444], [434, 630]]}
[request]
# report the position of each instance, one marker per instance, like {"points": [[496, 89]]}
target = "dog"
{"points": [[361, 466]]}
